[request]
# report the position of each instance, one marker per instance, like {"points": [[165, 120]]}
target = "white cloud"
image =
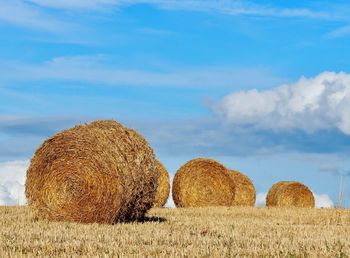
{"points": [[12, 180], [260, 199], [5, 197], [34, 13], [246, 8], [323, 201], [338, 33], [322, 102], [93, 69], [234, 8], [74, 4], [17, 192], [13, 171], [24, 15], [170, 202]]}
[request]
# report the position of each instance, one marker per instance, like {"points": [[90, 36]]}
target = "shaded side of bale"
{"points": [[202, 182], [290, 194], [99, 172], [163, 188], [245, 194]]}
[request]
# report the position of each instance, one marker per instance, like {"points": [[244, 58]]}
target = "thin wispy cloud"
{"points": [[93, 70], [233, 7], [75, 4], [339, 33], [37, 13], [21, 14], [243, 8]]}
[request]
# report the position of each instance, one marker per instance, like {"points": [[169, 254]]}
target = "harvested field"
{"points": [[196, 232]]}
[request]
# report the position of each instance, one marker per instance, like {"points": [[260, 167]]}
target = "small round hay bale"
{"points": [[163, 188], [99, 172], [245, 194], [202, 182], [290, 194]]}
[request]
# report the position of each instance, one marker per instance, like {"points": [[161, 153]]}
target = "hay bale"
{"points": [[203, 182], [290, 194], [99, 172], [163, 188], [245, 194]]}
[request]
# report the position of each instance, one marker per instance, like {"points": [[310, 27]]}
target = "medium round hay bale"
{"points": [[290, 194], [202, 182], [163, 188], [99, 172], [245, 194]]}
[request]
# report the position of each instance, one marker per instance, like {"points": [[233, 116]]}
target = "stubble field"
{"points": [[204, 232]]}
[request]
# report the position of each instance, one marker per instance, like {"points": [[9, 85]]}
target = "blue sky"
{"points": [[263, 86]]}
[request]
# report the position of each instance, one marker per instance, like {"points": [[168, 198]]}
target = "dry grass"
{"points": [[200, 232]]}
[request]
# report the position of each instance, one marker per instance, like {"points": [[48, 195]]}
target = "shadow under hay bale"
{"points": [[99, 172], [163, 188], [153, 219], [202, 182], [290, 194], [245, 194]]}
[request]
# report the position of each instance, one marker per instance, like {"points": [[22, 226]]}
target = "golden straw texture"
{"points": [[163, 189], [290, 194], [245, 194], [203, 182], [99, 172]]}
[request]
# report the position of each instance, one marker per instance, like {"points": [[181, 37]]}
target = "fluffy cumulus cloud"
{"points": [[310, 104], [5, 197], [260, 199], [321, 200], [12, 179]]}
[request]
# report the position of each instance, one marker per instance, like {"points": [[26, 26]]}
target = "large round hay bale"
{"points": [[203, 182], [99, 172], [290, 194], [163, 188], [245, 194]]}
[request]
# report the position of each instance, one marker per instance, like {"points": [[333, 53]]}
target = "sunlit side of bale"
{"points": [[99, 172], [163, 188], [202, 182], [245, 194], [290, 194]]}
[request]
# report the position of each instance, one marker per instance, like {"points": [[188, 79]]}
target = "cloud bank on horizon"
{"points": [[12, 188], [321, 200], [12, 180]]}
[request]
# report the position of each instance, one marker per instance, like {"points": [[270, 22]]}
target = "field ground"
{"points": [[205, 232]]}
